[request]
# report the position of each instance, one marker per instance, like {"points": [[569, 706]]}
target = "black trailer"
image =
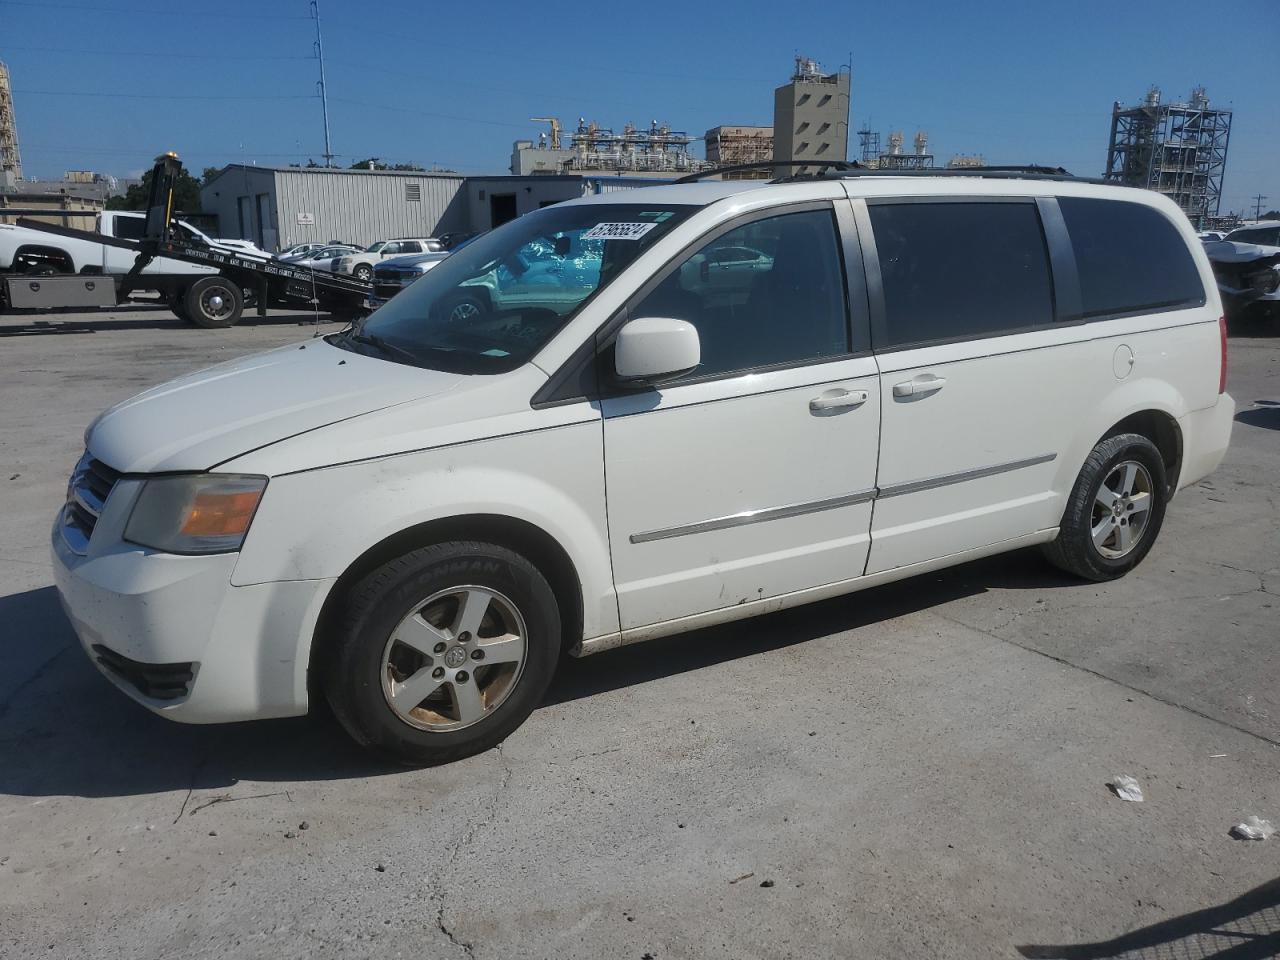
{"points": [[215, 300]]}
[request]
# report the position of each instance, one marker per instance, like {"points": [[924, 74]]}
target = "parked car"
{"points": [[323, 258], [417, 517], [361, 264], [392, 276], [1247, 265], [299, 250]]}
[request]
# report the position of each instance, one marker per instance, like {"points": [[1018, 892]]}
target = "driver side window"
{"points": [[767, 293]]}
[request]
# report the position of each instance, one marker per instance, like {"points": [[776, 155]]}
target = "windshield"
{"points": [[490, 306], [375, 247]]}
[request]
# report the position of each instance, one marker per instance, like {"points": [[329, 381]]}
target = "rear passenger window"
{"points": [[1130, 258], [769, 292], [960, 270]]}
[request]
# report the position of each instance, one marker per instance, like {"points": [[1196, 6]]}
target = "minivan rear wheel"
{"points": [[444, 652], [1115, 510]]}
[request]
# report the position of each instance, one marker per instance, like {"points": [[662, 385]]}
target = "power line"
{"points": [[438, 116], [159, 96], [150, 11], [81, 51]]}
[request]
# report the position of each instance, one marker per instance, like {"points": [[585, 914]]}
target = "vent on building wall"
{"points": [[413, 192]]}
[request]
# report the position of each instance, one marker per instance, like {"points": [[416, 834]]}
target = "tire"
{"points": [[466, 308], [403, 636], [213, 303], [1130, 464], [177, 304], [363, 272]]}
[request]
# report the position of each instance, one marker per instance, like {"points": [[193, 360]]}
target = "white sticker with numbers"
{"points": [[618, 231]]}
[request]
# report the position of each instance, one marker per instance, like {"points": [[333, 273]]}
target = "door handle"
{"points": [[836, 401], [920, 386]]}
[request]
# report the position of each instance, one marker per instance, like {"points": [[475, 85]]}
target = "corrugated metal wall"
{"points": [[363, 207]]}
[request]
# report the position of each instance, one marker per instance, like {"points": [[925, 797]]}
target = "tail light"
{"points": [[1222, 369]]}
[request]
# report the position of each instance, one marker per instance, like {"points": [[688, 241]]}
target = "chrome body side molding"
{"points": [[946, 479], [756, 516], [833, 503]]}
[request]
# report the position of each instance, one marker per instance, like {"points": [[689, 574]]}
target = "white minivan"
{"points": [[634, 429]]}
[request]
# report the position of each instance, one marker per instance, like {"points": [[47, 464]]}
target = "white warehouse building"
{"points": [[276, 207]]}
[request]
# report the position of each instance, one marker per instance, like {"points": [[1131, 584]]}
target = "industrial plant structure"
{"points": [[895, 158], [1178, 149], [593, 148], [10, 159], [728, 146], [811, 115]]}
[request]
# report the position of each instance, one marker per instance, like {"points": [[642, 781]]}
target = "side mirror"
{"points": [[654, 350]]}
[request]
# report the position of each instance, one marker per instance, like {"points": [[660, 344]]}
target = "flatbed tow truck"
{"points": [[215, 300]]}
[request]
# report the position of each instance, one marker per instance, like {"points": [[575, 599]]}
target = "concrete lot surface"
{"points": [[916, 771]]}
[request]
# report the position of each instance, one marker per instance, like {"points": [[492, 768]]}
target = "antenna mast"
{"points": [[324, 93]]}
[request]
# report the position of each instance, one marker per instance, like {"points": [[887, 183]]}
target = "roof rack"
{"points": [[840, 165], [841, 169], [1028, 172]]}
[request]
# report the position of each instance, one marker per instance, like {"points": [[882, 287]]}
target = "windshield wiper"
{"points": [[378, 343]]}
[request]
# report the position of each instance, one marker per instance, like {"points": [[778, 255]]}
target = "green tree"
{"points": [[373, 163], [186, 194]]}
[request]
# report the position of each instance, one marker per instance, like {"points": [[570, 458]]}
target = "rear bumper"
{"points": [[177, 637], [1206, 435]]}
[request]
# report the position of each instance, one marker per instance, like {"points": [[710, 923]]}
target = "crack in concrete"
{"points": [[1120, 683], [438, 892]]}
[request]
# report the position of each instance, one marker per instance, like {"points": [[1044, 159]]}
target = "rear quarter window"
{"points": [[1130, 258]]}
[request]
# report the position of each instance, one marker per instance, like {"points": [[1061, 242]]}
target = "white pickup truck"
{"points": [[34, 252]]}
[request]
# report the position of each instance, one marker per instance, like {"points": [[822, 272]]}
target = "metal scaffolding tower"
{"points": [[868, 143], [10, 159], [1177, 149]]}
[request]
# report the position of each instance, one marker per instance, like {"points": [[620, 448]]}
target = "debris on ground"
{"points": [[1126, 788], [745, 876], [1253, 828], [304, 825], [766, 883], [380, 868]]}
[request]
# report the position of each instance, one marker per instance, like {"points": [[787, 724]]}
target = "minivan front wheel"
{"points": [[1115, 510], [444, 652]]}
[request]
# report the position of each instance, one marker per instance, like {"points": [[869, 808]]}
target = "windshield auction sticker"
{"points": [[618, 231]]}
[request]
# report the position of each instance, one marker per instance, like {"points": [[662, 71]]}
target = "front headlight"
{"points": [[195, 513]]}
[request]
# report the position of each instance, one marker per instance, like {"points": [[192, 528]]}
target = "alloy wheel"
{"points": [[1122, 509], [454, 658]]}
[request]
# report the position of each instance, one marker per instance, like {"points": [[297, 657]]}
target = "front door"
{"points": [[753, 476]]}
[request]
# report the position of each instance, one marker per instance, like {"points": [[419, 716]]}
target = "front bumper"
{"points": [[176, 636]]}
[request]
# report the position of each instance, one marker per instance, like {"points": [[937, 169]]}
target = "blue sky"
{"points": [[107, 84]]}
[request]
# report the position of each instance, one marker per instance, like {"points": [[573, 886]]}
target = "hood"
{"points": [[412, 259], [1232, 251], [206, 418]]}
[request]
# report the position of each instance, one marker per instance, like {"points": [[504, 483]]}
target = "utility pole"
{"points": [[324, 93], [1257, 206]]}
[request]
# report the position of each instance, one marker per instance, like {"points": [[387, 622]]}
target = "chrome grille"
{"points": [[90, 485]]}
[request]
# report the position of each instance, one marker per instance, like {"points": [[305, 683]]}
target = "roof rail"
{"points": [[840, 165], [1028, 172]]}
